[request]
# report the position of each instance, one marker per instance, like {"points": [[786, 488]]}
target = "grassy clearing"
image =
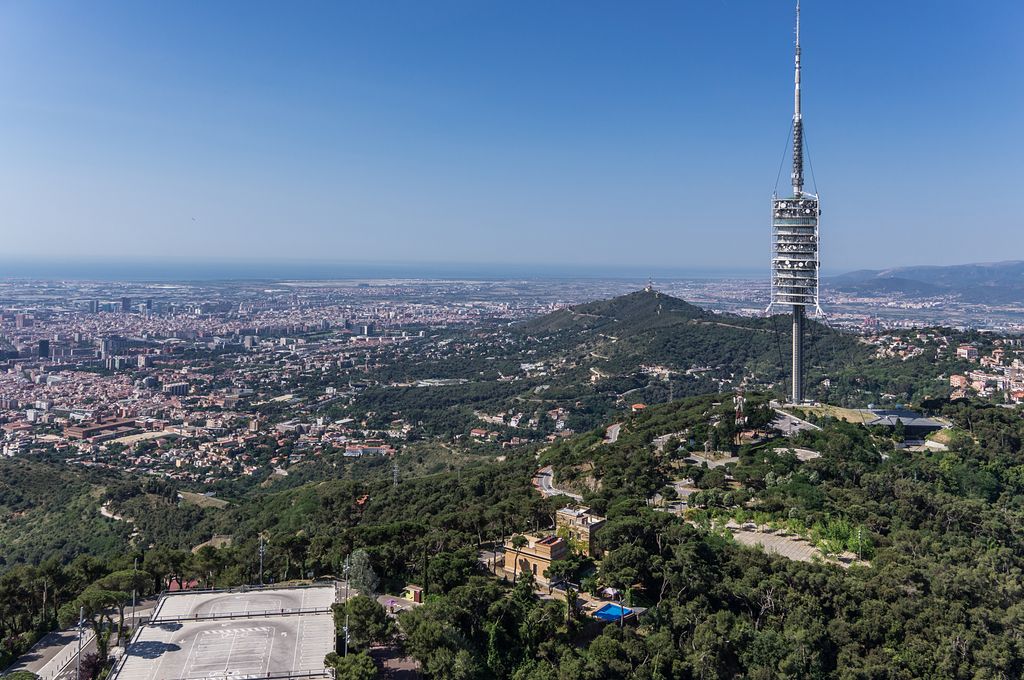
{"points": [[946, 437], [850, 415], [202, 501]]}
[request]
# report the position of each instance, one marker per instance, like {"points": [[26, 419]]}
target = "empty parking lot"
{"points": [[234, 635], [179, 606]]}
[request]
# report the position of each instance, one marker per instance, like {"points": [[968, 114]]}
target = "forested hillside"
{"points": [[48, 510], [710, 351], [938, 595], [594, 359], [638, 311]]}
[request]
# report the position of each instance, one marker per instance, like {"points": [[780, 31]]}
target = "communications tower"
{"points": [[795, 241]]}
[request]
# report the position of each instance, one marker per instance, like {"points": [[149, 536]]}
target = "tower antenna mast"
{"points": [[798, 123]]}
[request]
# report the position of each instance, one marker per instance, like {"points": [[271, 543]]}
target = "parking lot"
{"points": [[216, 635], [211, 604]]}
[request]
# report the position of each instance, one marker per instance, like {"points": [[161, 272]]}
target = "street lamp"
{"points": [[81, 627], [262, 550], [345, 628], [135, 569]]}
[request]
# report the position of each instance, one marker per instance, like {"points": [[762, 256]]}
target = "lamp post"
{"points": [[345, 629], [261, 551], [135, 569], [78, 659]]}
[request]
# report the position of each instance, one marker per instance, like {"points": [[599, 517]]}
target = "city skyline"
{"points": [[586, 136]]}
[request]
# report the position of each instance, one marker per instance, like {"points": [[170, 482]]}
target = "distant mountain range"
{"points": [[993, 282]]}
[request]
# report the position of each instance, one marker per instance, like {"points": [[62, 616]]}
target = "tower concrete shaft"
{"points": [[797, 392]]}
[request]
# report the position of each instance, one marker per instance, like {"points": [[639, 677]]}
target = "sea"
{"points": [[318, 270]]}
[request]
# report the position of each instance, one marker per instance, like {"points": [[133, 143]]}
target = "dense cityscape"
{"points": [[193, 381]]}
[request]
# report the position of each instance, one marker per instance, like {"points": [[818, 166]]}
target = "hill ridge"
{"points": [[642, 307]]}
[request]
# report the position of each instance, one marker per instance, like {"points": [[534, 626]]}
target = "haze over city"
{"points": [[584, 134]]}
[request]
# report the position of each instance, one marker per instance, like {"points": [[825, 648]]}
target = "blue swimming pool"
{"points": [[612, 612]]}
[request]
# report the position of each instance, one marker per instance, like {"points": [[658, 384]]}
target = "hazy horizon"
{"points": [[166, 269], [182, 269]]}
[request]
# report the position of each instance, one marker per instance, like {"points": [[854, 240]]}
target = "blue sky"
{"points": [[590, 133]]}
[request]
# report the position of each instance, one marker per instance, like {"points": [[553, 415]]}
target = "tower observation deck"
{"points": [[795, 256], [795, 246]]}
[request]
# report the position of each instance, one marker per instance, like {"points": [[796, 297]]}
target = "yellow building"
{"points": [[579, 527], [535, 557]]}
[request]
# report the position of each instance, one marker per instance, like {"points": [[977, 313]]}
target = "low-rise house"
{"points": [[580, 527], [536, 556]]}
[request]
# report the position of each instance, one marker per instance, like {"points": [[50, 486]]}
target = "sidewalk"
{"points": [[52, 653]]}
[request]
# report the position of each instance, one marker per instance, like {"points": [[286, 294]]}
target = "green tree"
{"points": [[368, 623], [95, 604], [899, 430], [572, 604], [432, 637], [357, 666], [560, 570], [207, 564], [165, 564], [122, 585], [449, 569], [361, 574], [518, 543]]}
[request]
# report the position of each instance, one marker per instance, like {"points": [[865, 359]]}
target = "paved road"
{"points": [[51, 646], [713, 462], [611, 435], [790, 424], [53, 657], [785, 545], [395, 605], [803, 455], [684, 488], [543, 481], [659, 442], [396, 666], [68, 672], [489, 558]]}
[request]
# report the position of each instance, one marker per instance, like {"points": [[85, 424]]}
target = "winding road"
{"points": [[543, 481]]}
